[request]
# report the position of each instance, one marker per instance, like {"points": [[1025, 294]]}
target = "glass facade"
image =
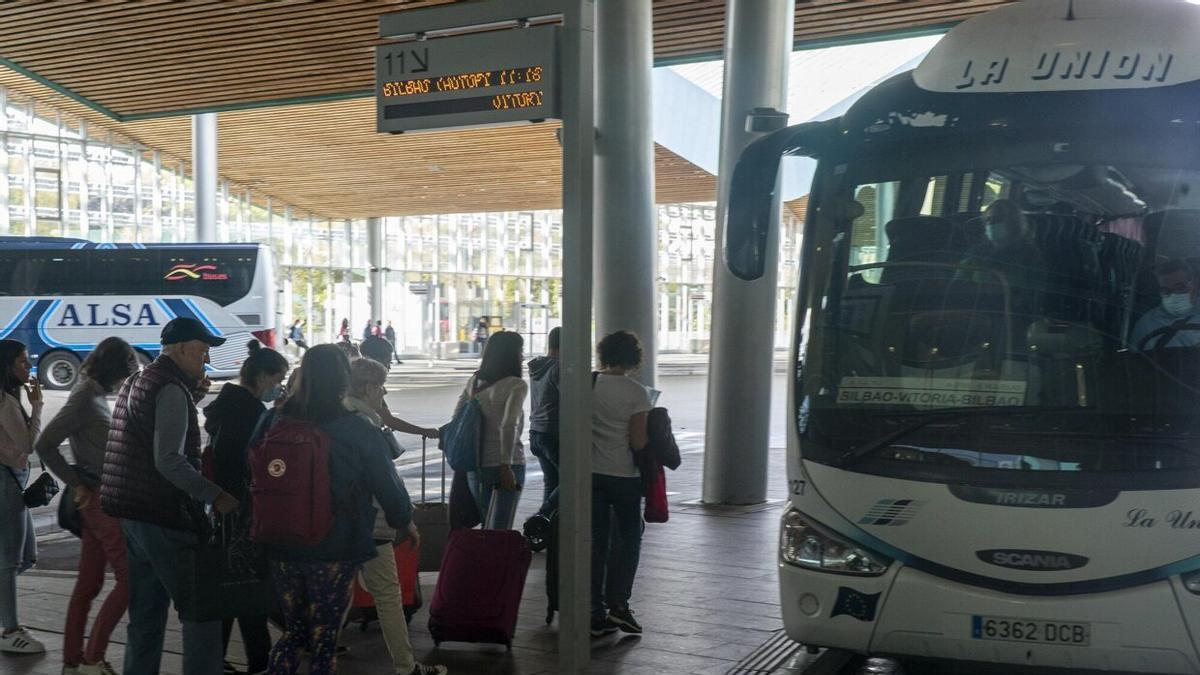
{"points": [[442, 273]]}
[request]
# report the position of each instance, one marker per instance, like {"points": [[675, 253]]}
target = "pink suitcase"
{"points": [[479, 588]]}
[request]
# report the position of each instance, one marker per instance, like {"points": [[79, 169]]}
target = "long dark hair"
{"points": [[10, 351], [261, 361], [501, 357], [110, 362], [318, 397]]}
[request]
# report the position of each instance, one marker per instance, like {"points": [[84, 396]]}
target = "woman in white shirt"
{"points": [[501, 392], [619, 408], [18, 548]]}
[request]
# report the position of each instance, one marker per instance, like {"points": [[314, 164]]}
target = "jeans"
{"points": [[485, 484], [153, 553], [380, 579], [544, 446], [103, 545], [18, 548], [622, 498], [314, 597]]}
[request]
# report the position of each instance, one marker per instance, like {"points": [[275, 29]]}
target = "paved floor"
{"points": [[705, 593]]}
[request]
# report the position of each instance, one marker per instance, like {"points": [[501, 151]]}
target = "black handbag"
{"points": [[69, 516], [40, 492], [225, 575]]}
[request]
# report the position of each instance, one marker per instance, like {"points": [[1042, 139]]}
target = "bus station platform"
{"points": [[706, 592]]}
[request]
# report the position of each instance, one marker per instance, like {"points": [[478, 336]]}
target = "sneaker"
{"points": [[422, 669], [601, 626], [102, 668], [622, 617], [19, 641]]}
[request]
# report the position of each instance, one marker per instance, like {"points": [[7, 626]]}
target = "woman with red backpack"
{"points": [[313, 580]]}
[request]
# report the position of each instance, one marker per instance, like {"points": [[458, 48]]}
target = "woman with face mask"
{"points": [[230, 421]]}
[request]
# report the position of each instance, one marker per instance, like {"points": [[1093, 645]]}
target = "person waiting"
{"points": [[153, 484], [365, 398], [85, 420], [313, 582], [620, 406], [18, 547], [543, 419], [501, 392], [230, 421], [1178, 287]]}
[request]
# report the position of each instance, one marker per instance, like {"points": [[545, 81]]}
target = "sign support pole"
{"points": [[481, 77], [575, 439]]}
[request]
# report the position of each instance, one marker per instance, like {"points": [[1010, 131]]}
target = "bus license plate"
{"points": [[1009, 629]]}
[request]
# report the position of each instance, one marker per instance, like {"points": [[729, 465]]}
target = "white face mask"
{"points": [[1177, 304]]}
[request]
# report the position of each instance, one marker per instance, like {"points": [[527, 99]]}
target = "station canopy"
{"points": [[293, 83]]}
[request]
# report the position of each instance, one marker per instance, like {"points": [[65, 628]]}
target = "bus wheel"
{"points": [[59, 370]]}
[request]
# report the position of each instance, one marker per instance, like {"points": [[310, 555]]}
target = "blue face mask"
{"points": [[274, 393]]}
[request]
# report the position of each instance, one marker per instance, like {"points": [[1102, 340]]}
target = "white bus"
{"points": [[61, 297], [994, 442]]}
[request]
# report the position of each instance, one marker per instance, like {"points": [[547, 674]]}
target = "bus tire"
{"points": [[58, 370]]}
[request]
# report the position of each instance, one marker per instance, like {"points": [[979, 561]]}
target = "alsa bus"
{"points": [[994, 442], [61, 297]]}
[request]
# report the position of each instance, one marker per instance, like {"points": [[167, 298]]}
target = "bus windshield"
{"points": [[1030, 309]]}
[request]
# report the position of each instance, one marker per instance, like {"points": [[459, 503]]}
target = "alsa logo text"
{"points": [[195, 272], [95, 314], [1032, 560]]}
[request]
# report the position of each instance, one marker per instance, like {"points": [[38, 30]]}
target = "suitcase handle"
{"points": [[424, 453]]}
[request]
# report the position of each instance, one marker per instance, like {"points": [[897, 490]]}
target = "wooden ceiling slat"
{"points": [[326, 159], [133, 57], [311, 25]]}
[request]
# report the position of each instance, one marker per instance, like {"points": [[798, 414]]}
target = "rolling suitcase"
{"points": [[432, 519], [362, 604], [479, 589]]}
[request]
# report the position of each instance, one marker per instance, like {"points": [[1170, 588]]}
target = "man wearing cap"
{"points": [[152, 482]]}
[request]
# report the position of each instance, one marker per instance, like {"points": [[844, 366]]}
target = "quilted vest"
{"points": [[131, 486]]}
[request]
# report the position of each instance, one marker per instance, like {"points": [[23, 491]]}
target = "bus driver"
{"points": [[1178, 286]]}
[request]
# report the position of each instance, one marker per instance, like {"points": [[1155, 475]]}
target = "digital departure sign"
{"points": [[481, 79]]}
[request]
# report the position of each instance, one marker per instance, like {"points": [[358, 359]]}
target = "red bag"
{"points": [[363, 604], [656, 510], [290, 486]]}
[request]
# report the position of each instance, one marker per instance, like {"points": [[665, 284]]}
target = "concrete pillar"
{"points": [[375, 260], [204, 174], [626, 233], [758, 44]]}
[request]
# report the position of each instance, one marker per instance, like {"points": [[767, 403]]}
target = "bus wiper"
{"points": [[927, 417]]}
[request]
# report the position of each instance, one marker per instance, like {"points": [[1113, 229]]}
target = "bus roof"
{"points": [[66, 243], [1085, 45]]}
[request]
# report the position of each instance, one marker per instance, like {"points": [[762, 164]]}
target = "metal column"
{"points": [[626, 222], [204, 174], [575, 433], [375, 260], [758, 44]]}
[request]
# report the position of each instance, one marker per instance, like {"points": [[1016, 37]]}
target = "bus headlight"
{"points": [[1191, 581], [804, 544]]}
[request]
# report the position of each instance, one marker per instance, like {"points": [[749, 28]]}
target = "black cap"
{"points": [[185, 329]]}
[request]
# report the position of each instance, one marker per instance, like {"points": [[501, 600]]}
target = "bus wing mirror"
{"points": [[748, 215]]}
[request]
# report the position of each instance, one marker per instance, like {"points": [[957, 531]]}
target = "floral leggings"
{"points": [[314, 597]]}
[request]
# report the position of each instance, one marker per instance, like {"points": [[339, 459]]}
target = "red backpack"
{"points": [[289, 485]]}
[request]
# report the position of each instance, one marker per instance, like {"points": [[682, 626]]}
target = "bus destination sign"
{"points": [[480, 79]]}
